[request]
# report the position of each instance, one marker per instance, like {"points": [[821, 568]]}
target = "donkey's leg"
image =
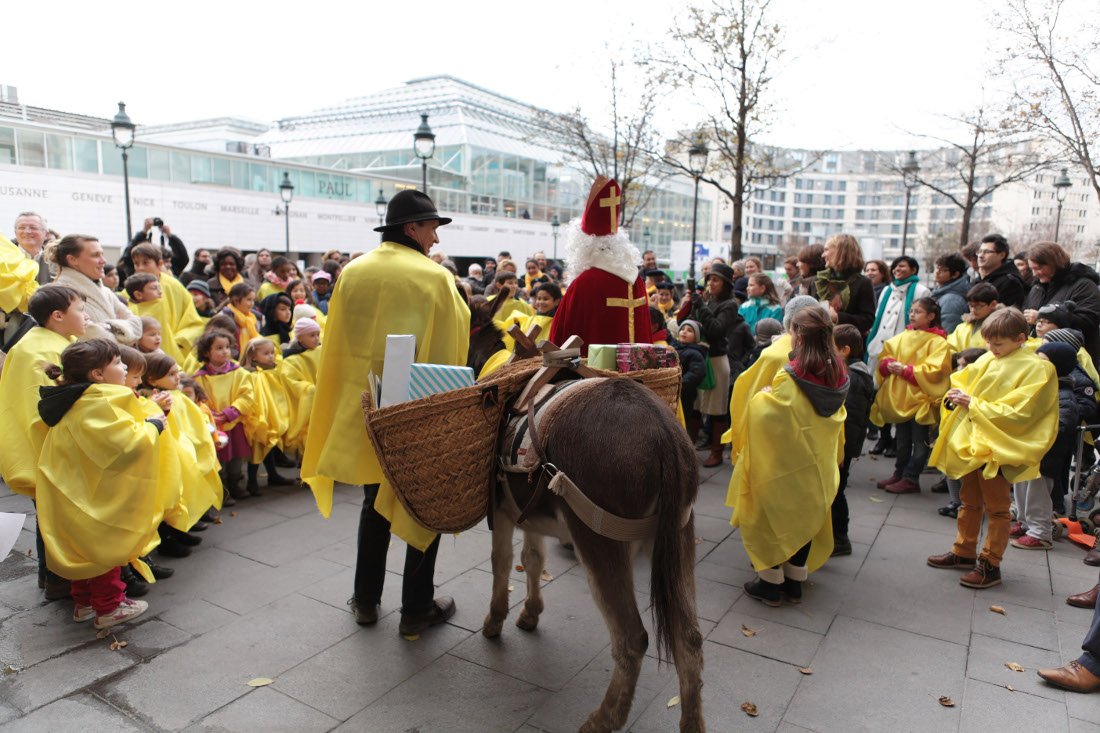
{"points": [[502, 566], [611, 581], [687, 643], [534, 560]]}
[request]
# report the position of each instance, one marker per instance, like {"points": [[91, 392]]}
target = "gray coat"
{"points": [[952, 300]]}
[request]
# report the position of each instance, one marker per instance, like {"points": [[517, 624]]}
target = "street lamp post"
{"points": [[380, 204], [424, 147], [909, 173], [555, 224], [1060, 185], [122, 130], [697, 163], [286, 192]]}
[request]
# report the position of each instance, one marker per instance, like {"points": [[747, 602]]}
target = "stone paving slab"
{"points": [[993, 707], [988, 657], [80, 712], [267, 710]]}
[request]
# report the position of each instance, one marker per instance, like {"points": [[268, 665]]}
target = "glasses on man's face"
{"points": [[987, 251]]}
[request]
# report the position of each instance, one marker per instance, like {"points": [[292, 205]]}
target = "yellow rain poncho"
{"points": [[187, 324], [18, 277], [299, 373], [21, 429], [752, 380], [105, 476], [967, 335], [512, 307], [1010, 424], [390, 290], [160, 310], [234, 389], [899, 400], [201, 484], [781, 499], [271, 392]]}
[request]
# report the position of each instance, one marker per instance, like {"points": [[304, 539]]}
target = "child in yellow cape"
{"points": [[101, 476], [982, 301], [781, 499], [760, 375], [202, 486], [241, 299], [182, 320], [259, 357], [232, 398], [59, 311], [301, 362], [999, 419], [913, 371]]}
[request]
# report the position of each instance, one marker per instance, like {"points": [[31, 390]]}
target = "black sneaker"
{"points": [[841, 546], [951, 510], [770, 594], [135, 585]]}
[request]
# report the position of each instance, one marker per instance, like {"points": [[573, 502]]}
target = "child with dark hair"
{"points": [[781, 499], [143, 288], [693, 355], [913, 371], [981, 299], [861, 393]]}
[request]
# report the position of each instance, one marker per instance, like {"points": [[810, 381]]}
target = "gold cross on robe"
{"points": [[612, 202], [630, 304]]}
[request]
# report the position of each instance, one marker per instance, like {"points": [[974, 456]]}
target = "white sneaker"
{"points": [[126, 610], [83, 613]]}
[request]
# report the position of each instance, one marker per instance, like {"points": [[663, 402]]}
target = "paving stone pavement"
{"points": [[881, 635]]}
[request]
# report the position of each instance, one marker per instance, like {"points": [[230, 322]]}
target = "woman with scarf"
{"points": [[80, 261], [892, 318], [228, 264], [810, 261], [843, 287]]}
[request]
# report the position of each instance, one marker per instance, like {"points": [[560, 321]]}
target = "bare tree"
{"points": [[625, 152], [1057, 87], [724, 51], [966, 173]]}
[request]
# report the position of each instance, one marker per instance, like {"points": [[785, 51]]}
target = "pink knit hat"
{"points": [[304, 326]]}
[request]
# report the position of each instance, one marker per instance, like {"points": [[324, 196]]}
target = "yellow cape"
{"points": [[390, 290], [199, 466], [1011, 422], [898, 400], [21, 429], [752, 380], [18, 277], [299, 374], [270, 386], [524, 322], [965, 336], [104, 479], [514, 306], [160, 310], [781, 499], [187, 324]]}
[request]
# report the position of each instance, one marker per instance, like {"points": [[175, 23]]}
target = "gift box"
{"points": [[602, 356], [429, 379], [634, 357]]}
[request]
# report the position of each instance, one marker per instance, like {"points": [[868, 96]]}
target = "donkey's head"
{"points": [[486, 338]]}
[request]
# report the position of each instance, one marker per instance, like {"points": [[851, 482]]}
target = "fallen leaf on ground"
{"points": [[519, 568], [260, 682], [947, 702], [10, 670], [875, 499], [116, 645], [673, 701], [749, 709], [102, 634], [698, 540], [28, 553], [1014, 667], [217, 520], [546, 575], [805, 670], [1010, 688], [412, 637], [233, 514], [998, 609], [747, 631], [511, 588]]}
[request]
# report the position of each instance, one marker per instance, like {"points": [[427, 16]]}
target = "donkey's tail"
{"points": [[672, 582]]}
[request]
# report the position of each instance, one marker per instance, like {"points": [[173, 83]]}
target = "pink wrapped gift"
{"points": [[633, 357]]}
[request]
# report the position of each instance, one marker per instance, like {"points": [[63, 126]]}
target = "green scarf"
{"points": [[830, 284], [885, 298]]}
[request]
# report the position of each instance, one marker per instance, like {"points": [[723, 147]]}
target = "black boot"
{"points": [[273, 477], [253, 485], [160, 572], [841, 545], [136, 586]]}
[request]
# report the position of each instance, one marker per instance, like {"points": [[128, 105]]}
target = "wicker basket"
{"points": [[665, 382], [439, 452]]}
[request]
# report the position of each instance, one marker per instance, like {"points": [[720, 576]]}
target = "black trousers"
{"points": [[417, 588], [840, 503]]}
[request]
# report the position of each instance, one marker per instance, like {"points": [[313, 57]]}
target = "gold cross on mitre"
{"points": [[612, 202], [630, 304]]}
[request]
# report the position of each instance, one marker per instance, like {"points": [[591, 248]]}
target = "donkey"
{"points": [[624, 449]]}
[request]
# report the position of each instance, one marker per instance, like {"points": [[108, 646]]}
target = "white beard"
{"points": [[612, 253]]}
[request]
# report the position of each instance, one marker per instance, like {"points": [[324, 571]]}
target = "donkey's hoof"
{"points": [[596, 723], [526, 621], [491, 628]]}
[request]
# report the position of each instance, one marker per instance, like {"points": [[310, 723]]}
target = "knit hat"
{"points": [[766, 330], [320, 275], [199, 285], [304, 326], [793, 306], [1070, 336], [1061, 355], [694, 326], [1061, 315], [304, 311]]}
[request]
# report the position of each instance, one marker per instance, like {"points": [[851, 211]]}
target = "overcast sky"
{"points": [[857, 73]]}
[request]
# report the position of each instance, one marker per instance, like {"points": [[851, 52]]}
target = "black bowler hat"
{"points": [[410, 206], [722, 272]]}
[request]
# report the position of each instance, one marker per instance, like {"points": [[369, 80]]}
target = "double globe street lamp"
{"points": [[697, 163], [122, 130], [424, 147]]}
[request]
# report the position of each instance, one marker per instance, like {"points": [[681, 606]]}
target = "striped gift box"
{"points": [[429, 379]]}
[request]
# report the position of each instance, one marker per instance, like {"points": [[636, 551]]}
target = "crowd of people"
{"points": [[172, 379]]}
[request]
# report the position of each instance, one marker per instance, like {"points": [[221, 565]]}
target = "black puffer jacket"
{"points": [[1078, 283], [1010, 288], [861, 394], [1056, 461]]}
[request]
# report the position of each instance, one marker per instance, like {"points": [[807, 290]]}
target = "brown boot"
{"points": [[693, 423], [717, 427], [1086, 599]]}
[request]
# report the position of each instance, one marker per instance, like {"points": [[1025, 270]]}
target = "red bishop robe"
{"points": [[602, 308]]}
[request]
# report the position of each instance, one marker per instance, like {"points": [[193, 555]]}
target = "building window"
{"points": [[32, 150]]}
